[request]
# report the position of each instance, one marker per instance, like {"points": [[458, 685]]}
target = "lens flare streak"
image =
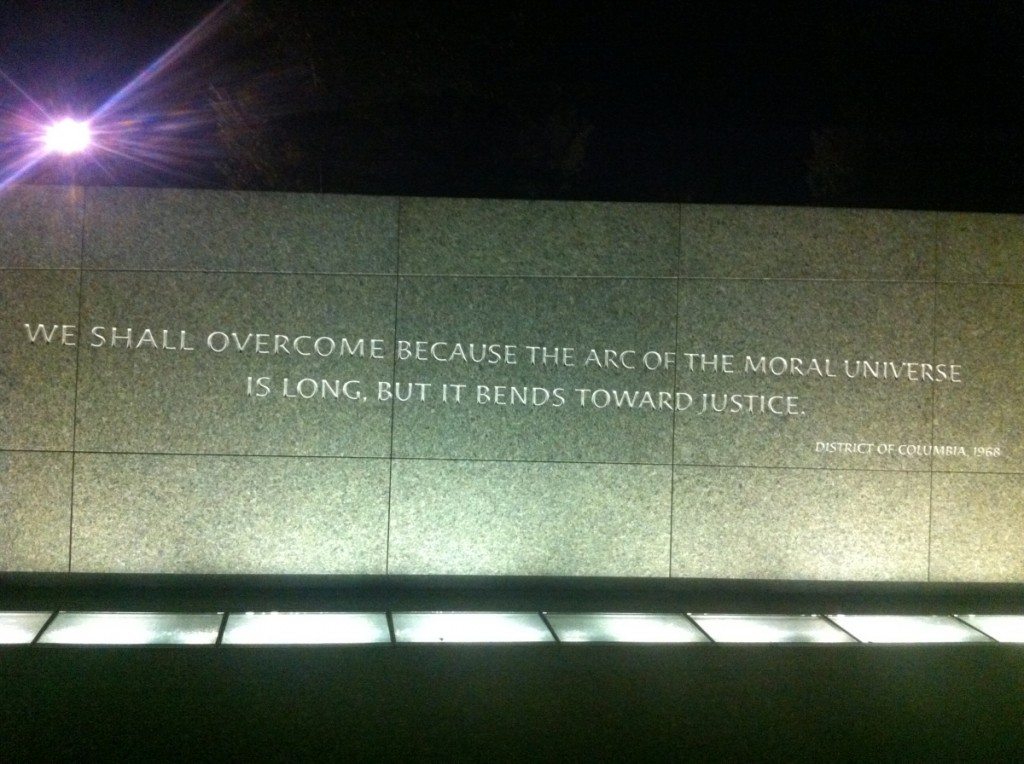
{"points": [[134, 123]]}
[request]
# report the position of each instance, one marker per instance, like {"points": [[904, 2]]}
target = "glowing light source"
{"points": [[470, 627], [142, 123], [68, 136], [21, 627], [908, 629], [624, 627], [1002, 628], [133, 629], [306, 628], [770, 628]]}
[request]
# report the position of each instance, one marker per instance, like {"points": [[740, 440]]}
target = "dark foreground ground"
{"points": [[748, 703], [513, 702]]}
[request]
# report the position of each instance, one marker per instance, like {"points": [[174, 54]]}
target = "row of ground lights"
{"points": [[96, 628]]}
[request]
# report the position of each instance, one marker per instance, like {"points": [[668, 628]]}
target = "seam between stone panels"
{"points": [[981, 283], [921, 471], [470, 459], [936, 244], [977, 472], [675, 391], [573, 276], [209, 272], [810, 280], [74, 407], [35, 268], [394, 377], [36, 451], [224, 455], [327, 457], [932, 412], [672, 447]]}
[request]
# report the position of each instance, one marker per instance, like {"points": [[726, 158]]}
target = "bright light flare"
{"points": [[139, 123], [69, 136]]}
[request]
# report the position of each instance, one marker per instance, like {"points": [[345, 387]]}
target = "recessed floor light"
{"points": [[908, 629], [1002, 628], [305, 628], [133, 629], [624, 627], [770, 628], [470, 627], [21, 627]]}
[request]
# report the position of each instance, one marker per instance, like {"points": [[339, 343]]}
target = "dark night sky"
{"points": [[901, 104]]}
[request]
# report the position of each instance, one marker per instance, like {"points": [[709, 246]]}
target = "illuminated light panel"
{"points": [[769, 628], [624, 627], [1002, 628], [133, 629], [69, 136], [908, 629], [20, 628], [306, 629], [470, 627]]}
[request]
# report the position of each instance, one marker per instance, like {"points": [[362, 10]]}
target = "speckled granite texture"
{"points": [[202, 514], [977, 532], [804, 243], [976, 248], [493, 518], [167, 229], [538, 238], [802, 524], [41, 227], [982, 326], [35, 511], [624, 443], [37, 378]]}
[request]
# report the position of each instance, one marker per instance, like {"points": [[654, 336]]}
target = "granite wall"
{"points": [[212, 382]]}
